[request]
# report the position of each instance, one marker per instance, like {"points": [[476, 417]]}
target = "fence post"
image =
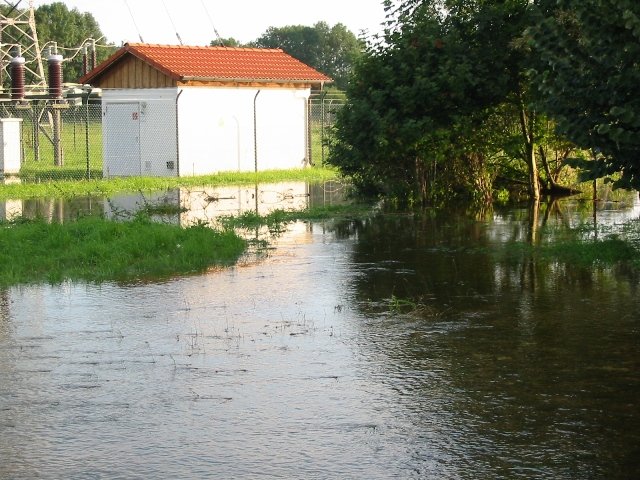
{"points": [[57, 143], [36, 133], [86, 135]]}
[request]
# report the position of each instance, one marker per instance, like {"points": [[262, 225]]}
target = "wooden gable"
{"points": [[131, 72]]}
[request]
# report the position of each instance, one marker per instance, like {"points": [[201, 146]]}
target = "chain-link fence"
{"points": [[64, 141], [322, 115], [57, 141]]}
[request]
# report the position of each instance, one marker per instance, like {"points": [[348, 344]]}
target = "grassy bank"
{"points": [[94, 249], [108, 187]]}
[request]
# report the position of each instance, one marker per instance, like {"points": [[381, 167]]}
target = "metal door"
{"points": [[121, 139]]}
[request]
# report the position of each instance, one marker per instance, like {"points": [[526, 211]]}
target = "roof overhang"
{"points": [[253, 80]]}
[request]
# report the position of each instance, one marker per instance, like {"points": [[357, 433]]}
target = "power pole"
{"points": [[18, 30]]}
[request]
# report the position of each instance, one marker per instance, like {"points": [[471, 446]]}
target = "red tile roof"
{"points": [[215, 63]]}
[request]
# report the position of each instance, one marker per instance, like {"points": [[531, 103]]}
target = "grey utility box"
{"points": [[10, 148]]}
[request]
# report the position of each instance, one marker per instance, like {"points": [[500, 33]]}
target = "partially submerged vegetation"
{"points": [[278, 218], [94, 249], [609, 251], [580, 246], [108, 187]]}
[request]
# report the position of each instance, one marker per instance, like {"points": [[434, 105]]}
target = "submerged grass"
{"points": [[609, 251], [277, 218], [572, 248], [95, 249], [108, 187]]}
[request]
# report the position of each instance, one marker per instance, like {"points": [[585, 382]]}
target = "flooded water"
{"points": [[399, 346], [183, 206]]}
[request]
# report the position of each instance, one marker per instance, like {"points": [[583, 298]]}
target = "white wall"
{"points": [[216, 129], [139, 132]]}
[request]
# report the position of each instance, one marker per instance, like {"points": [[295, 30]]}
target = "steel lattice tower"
{"points": [[18, 29]]}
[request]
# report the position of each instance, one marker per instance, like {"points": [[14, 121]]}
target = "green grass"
{"points": [[94, 249], [79, 157], [609, 251], [572, 249], [277, 218], [109, 187]]}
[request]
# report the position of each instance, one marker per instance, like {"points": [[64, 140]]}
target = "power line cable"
{"points": [[76, 50], [171, 20], [134, 21], [212, 25]]}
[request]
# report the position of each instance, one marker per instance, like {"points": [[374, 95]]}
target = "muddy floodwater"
{"points": [[396, 346]]}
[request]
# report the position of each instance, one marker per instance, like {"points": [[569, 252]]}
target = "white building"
{"points": [[179, 111]]}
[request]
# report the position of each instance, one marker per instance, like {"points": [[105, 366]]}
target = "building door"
{"points": [[121, 139]]}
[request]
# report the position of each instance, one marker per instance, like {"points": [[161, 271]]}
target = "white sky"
{"points": [[244, 20]]}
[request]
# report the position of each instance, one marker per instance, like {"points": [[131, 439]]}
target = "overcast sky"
{"points": [[194, 20]]}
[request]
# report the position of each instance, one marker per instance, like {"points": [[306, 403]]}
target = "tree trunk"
{"points": [[534, 181], [534, 215], [479, 176], [527, 122], [552, 181], [553, 187], [422, 181]]}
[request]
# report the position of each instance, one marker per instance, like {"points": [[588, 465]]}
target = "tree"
{"points": [[69, 29], [589, 81], [227, 42], [419, 100], [331, 50]]}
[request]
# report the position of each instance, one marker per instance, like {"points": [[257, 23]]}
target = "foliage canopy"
{"points": [[69, 29], [330, 49], [589, 81], [462, 94], [418, 100]]}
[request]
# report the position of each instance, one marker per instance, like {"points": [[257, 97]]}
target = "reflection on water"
{"points": [[193, 204], [206, 204], [10, 209], [531, 367], [400, 346]]}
